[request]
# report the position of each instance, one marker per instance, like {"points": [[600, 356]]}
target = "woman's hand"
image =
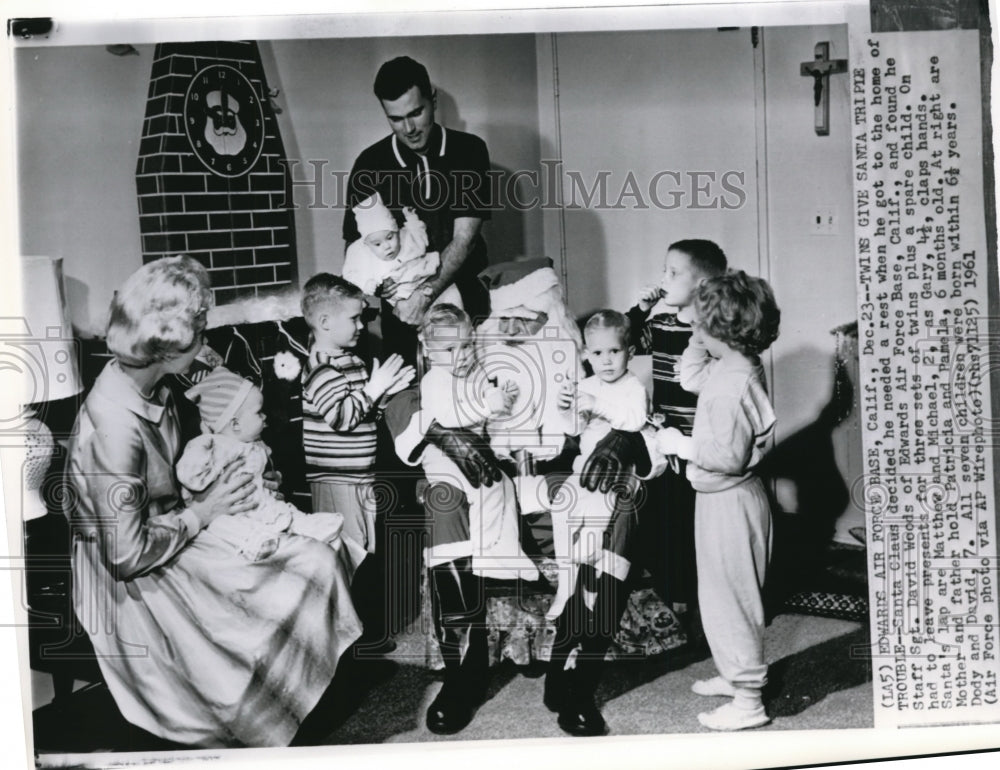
{"points": [[388, 289], [230, 493]]}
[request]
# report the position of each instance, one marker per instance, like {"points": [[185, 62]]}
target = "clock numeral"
{"points": [[195, 96], [197, 143], [213, 161], [191, 121]]}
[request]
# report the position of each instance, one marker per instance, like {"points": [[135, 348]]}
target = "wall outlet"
{"points": [[825, 221]]}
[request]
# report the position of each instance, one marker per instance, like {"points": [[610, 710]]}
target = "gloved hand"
{"points": [[614, 459], [470, 452]]}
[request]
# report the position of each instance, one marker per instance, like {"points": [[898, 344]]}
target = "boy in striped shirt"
{"points": [[340, 402], [669, 539]]}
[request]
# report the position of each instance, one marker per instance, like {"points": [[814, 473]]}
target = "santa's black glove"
{"points": [[615, 458], [469, 451]]}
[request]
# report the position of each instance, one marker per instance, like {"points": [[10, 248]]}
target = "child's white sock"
{"points": [[716, 686], [744, 711], [747, 698]]}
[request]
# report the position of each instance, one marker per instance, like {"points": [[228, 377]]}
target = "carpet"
{"points": [[817, 681]]}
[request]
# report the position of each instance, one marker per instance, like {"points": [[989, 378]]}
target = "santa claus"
{"points": [[529, 338]]}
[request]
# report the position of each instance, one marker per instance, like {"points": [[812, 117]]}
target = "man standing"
{"points": [[443, 174]]}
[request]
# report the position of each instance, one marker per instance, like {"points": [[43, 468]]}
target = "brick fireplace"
{"points": [[210, 176]]}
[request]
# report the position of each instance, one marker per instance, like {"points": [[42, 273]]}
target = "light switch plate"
{"points": [[825, 221]]}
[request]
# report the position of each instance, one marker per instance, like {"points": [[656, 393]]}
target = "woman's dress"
{"points": [[197, 645]]}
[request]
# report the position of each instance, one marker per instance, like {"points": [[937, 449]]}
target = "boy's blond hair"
{"points": [[326, 290], [443, 314], [608, 319]]}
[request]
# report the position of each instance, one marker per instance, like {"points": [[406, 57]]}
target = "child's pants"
{"points": [[356, 501], [733, 542]]}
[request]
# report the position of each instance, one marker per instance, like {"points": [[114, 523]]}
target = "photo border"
{"points": [[606, 751]]}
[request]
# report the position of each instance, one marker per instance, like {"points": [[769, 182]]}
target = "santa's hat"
{"points": [[219, 397], [519, 283], [373, 217]]}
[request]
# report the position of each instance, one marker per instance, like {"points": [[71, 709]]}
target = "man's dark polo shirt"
{"points": [[449, 181]]}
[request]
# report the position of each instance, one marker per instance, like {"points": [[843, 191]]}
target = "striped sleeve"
{"points": [[639, 331], [338, 421], [330, 393]]}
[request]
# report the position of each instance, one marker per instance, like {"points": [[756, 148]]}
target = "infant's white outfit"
{"points": [[256, 533], [410, 267]]}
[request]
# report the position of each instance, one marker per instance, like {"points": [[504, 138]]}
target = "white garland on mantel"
{"points": [[276, 307]]}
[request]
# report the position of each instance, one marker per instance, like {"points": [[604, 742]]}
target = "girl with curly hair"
{"points": [[736, 320]]}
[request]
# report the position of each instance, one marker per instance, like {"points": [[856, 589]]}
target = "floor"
{"points": [[820, 679]]}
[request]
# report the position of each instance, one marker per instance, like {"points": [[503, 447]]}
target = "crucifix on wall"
{"points": [[820, 69]]}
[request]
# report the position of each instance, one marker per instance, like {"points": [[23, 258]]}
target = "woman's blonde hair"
{"points": [[158, 311]]}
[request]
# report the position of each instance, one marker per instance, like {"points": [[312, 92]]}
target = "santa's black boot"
{"points": [[579, 714], [556, 682], [459, 608], [571, 691], [568, 634]]}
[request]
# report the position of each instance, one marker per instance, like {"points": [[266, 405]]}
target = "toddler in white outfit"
{"points": [[456, 393], [611, 399]]}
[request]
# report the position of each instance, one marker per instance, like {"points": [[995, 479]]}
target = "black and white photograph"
{"points": [[529, 385]]}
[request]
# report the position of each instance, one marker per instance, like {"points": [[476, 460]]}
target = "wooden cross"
{"points": [[820, 69]]}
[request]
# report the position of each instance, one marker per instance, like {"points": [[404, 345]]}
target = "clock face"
{"points": [[224, 120]]}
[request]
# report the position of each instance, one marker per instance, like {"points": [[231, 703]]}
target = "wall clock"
{"points": [[224, 120]]}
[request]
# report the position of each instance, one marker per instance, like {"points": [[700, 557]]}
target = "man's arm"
{"points": [[453, 256]]}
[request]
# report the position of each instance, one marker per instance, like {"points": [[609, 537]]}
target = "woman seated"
{"points": [[198, 645]]}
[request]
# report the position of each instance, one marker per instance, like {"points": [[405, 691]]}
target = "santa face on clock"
{"points": [[223, 129], [224, 120]]}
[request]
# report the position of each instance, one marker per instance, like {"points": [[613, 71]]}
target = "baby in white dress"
{"points": [[230, 408]]}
